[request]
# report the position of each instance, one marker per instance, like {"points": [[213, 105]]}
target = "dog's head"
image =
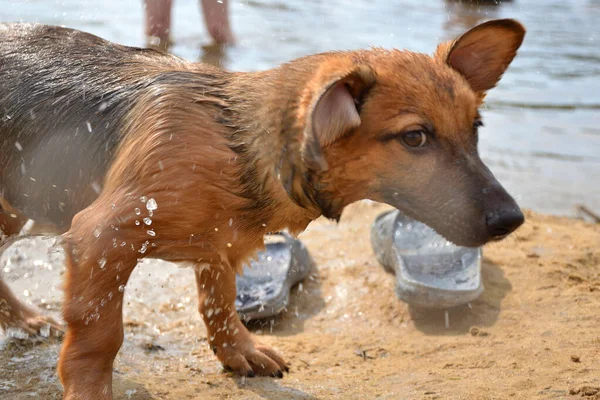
{"points": [[401, 128]]}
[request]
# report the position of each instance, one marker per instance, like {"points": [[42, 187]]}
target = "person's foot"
{"points": [[216, 17], [157, 43], [158, 23], [220, 32]]}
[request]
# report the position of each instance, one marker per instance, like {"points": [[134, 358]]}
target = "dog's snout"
{"points": [[501, 223]]}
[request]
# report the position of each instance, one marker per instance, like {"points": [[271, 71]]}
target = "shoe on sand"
{"points": [[430, 271], [263, 290]]}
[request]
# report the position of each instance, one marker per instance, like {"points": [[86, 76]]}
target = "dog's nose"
{"points": [[503, 222]]}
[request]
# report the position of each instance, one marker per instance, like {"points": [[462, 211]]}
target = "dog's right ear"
{"points": [[329, 107]]}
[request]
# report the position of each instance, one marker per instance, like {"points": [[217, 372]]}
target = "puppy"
{"points": [[129, 153]]}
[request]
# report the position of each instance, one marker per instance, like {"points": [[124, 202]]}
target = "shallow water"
{"points": [[542, 134]]}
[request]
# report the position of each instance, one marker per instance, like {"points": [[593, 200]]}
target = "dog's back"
{"points": [[63, 96]]}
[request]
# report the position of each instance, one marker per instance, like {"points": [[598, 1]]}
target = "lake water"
{"points": [[542, 133]]}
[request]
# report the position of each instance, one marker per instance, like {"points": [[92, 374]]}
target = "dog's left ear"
{"points": [[331, 110], [483, 53]]}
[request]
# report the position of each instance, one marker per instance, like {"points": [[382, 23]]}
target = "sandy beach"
{"points": [[533, 334]]}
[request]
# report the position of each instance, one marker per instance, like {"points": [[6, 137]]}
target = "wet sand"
{"points": [[533, 334]]}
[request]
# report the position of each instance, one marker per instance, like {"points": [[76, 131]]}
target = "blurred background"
{"points": [[542, 124]]}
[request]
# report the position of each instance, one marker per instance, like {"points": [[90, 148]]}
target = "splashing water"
{"points": [[16, 333], [151, 205]]}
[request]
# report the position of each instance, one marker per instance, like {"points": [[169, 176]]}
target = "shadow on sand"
{"points": [[483, 312]]}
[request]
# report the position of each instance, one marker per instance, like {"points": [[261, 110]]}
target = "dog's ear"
{"points": [[483, 53], [331, 111]]}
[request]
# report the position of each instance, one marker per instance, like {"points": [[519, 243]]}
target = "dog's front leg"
{"points": [[97, 272], [229, 339]]}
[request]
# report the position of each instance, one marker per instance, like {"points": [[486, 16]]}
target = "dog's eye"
{"points": [[415, 138]]}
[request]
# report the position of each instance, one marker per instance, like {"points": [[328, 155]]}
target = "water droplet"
{"points": [[18, 146], [45, 331], [137, 211], [102, 262], [143, 199], [98, 231], [96, 187], [89, 126], [229, 245], [151, 232], [113, 207], [121, 288], [137, 222], [147, 221], [151, 205]]}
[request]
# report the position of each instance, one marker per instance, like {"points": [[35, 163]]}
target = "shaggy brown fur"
{"points": [[96, 136]]}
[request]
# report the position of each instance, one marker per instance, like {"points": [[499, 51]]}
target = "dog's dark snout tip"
{"points": [[503, 222]]}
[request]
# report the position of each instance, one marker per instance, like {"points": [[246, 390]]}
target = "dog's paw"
{"points": [[34, 325], [248, 358], [44, 326]]}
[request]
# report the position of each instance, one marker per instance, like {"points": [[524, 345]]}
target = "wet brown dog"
{"points": [[97, 138]]}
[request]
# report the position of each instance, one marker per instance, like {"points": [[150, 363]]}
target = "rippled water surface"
{"points": [[542, 134]]}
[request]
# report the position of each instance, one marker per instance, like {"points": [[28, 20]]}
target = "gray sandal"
{"points": [[263, 290], [430, 271]]}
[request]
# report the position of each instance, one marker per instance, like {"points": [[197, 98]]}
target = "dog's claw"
{"points": [[36, 325], [250, 359], [44, 326]]}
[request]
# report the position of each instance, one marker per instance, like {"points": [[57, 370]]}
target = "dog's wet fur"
{"points": [[92, 132]]}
